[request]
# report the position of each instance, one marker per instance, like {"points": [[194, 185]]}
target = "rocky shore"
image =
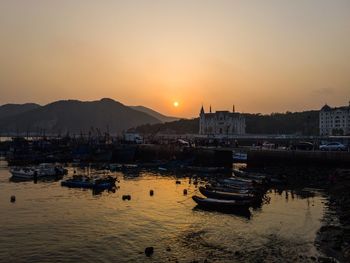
{"points": [[334, 236]]}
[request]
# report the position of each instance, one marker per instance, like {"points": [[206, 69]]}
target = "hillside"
{"points": [[8, 110], [76, 116], [154, 113]]}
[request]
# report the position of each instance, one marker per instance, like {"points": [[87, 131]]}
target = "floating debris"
{"points": [[178, 182]]}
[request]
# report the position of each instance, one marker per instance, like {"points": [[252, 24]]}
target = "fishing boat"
{"points": [[218, 204], [82, 181], [225, 195]]}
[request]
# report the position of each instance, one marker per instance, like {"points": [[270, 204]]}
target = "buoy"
{"points": [[151, 193], [185, 191], [149, 251], [13, 198], [126, 197]]}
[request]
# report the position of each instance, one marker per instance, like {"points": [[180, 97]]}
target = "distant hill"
{"points": [[7, 110], [77, 116], [154, 113], [304, 123]]}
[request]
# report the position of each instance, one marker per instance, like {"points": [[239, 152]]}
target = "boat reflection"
{"points": [[47, 179], [244, 213]]}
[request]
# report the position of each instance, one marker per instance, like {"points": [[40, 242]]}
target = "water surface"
{"points": [[50, 223]]}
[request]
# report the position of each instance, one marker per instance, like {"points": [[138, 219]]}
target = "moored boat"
{"points": [[80, 181], [225, 195], [33, 172], [23, 172], [230, 190], [216, 204]]}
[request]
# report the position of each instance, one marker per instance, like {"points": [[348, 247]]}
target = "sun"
{"points": [[176, 104]]}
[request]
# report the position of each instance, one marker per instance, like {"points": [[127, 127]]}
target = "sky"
{"points": [[262, 56]]}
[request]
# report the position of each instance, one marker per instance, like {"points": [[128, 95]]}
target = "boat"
{"points": [[240, 157], [202, 169], [229, 190], [33, 172], [48, 169], [236, 183], [219, 204], [23, 172], [259, 178], [225, 195], [82, 181]]}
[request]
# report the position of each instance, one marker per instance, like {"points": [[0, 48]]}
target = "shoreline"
{"points": [[333, 238]]}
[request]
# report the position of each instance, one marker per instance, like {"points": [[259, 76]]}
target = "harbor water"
{"points": [[50, 223]]}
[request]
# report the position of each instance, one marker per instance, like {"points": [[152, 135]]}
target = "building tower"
{"points": [[201, 121]]}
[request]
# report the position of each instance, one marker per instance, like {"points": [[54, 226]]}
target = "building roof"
{"points": [[326, 108]]}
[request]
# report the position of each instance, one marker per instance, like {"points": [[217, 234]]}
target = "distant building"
{"points": [[222, 123], [335, 121]]}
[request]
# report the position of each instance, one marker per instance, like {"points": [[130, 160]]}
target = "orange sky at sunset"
{"points": [[262, 56]]}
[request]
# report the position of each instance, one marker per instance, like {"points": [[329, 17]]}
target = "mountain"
{"points": [[154, 113], [77, 116], [14, 109]]}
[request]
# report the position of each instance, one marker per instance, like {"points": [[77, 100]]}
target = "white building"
{"points": [[335, 121], [222, 123]]}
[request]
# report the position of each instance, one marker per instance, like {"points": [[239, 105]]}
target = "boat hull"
{"points": [[217, 204]]}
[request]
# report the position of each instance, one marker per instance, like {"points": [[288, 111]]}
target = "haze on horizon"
{"points": [[262, 56]]}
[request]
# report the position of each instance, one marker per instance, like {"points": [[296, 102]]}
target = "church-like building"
{"points": [[221, 123]]}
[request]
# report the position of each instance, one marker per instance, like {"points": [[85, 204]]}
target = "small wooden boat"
{"points": [[225, 195], [216, 204]]}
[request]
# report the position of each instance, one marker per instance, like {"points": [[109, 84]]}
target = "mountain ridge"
{"points": [[77, 116]]}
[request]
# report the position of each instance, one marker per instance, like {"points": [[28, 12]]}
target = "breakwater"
{"points": [[257, 158]]}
